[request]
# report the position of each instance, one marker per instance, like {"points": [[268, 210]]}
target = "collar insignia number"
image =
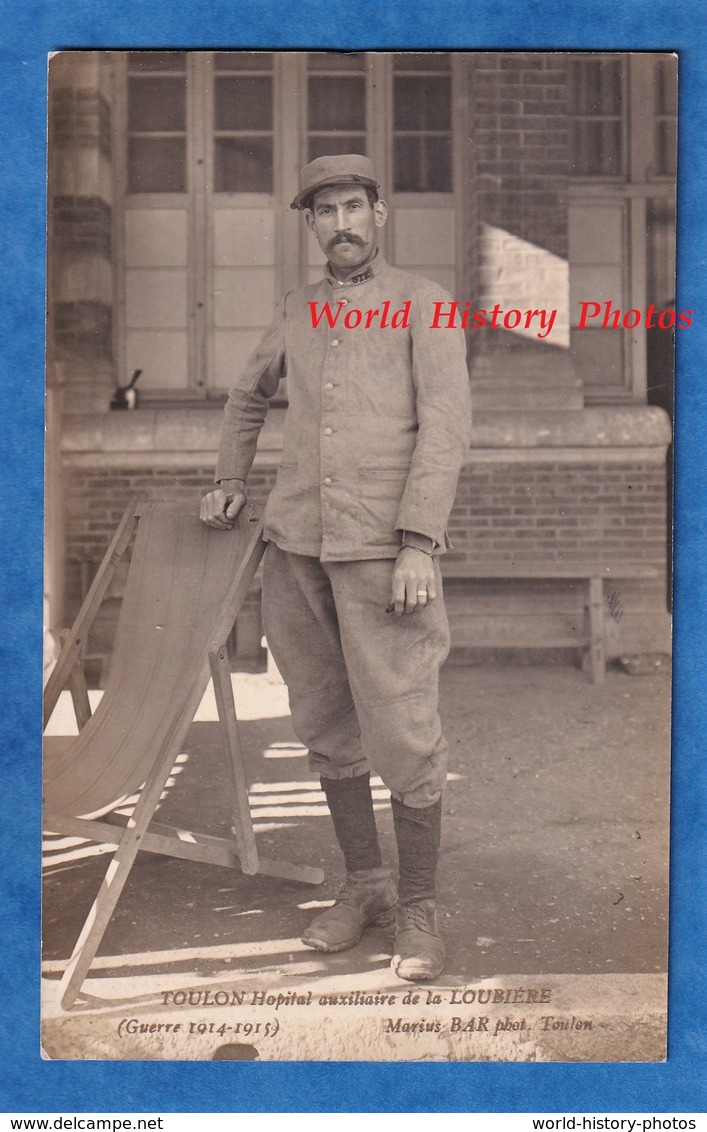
{"points": [[362, 277]]}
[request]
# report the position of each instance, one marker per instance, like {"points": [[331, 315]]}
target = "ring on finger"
{"points": [[422, 593]]}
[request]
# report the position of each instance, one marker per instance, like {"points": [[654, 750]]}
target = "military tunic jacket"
{"points": [[378, 422]]}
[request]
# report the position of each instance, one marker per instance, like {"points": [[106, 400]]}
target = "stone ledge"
{"points": [[610, 427], [162, 431]]}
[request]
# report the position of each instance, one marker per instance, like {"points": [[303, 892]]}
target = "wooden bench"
{"points": [[592, 577]]}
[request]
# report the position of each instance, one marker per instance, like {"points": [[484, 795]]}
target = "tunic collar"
{"points": [[370, 271]]}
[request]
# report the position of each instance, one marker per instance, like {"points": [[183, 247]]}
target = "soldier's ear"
{"points": [[309, 217], [380, 210]]}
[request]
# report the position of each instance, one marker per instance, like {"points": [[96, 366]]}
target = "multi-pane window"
{"points": [[243, 122], [422, 123], [597, 122], [622, 235], [336, 103], [397, 109], [339, 86], [212, 144], [157, 122], [666, 117]]}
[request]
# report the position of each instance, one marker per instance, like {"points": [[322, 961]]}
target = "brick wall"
{"points": [[516, 227], [520, 139], [584, 513], [593, 512]]}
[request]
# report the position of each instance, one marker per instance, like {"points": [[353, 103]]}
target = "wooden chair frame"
{"points": [[140, 832]]}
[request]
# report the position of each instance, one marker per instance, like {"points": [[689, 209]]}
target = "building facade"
{"points": [[520, 181]]}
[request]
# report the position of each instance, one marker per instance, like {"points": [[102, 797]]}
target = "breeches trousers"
{"points": [[363, 684]]}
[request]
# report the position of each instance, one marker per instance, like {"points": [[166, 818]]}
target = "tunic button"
{"points": [[329, 385], [328, 431], [335, 341], [328, 481]]}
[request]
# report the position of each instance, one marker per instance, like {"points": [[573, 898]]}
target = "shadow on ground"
{"points": [[555, 847]]}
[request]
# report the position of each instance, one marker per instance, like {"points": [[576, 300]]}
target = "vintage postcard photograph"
{"points": [[357, 646]]}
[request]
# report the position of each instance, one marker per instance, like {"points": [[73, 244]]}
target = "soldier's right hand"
{"points": [[219, 508]]}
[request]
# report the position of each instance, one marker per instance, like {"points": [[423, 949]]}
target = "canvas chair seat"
{"points": [[186, 583], [167, 619]]}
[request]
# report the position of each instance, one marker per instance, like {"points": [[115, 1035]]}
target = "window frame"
{"points": [[290, 140], [634, 190], [200, 155], [625, 133]]}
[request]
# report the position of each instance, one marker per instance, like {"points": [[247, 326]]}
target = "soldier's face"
{"points": [[346, 226]]}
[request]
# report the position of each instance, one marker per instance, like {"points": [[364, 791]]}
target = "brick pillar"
{"points": [[80, 220], [517, 229]]}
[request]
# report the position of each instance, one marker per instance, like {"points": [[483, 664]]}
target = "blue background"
{"points": [[28, 31]]}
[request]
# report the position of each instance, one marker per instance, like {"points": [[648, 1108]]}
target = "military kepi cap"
{"points": [[339, 169]]}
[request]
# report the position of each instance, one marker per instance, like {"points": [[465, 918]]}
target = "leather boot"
{"points": [[419, 948], [419, 951], [367, 897]]}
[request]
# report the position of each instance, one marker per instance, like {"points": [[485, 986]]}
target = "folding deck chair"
{"points": [[185, 586]]}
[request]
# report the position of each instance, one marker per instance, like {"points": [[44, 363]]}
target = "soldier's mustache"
{"points": [[343, 238]]}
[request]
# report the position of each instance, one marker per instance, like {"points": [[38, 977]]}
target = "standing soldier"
{"points": [[376, 432]]}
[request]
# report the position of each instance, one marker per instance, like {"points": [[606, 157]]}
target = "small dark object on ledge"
{"points": [[125, 396]]}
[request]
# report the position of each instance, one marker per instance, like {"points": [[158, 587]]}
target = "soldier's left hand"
{"points": [[414, 583]]}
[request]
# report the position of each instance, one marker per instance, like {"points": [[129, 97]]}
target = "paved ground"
{"points": [[553, 883]]}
